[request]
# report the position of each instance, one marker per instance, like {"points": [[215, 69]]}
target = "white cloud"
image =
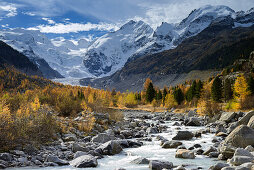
{"points": [[62, 28], [29, 13], [50, 21], [7, 10], [119, 11]]}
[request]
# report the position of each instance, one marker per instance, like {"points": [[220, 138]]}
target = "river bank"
{"points": [[146, 140]]}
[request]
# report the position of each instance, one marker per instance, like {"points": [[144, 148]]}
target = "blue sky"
{"points": [[92, 18]]}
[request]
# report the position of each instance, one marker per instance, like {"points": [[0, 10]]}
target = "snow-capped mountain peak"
{"points": [[111, 51]]}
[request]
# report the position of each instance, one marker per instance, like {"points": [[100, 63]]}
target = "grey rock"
{"points": [[171, 144], [242, 152], [180, 168], [249, 148], [102, 138], [239, 160], [227, 116], [152, 130], [219, 166], [50, 164], [2, 166], [241, 136], [183, 135], [194, 121], [77, 147], [209, 150], [245, 119], [23, 160], [140, 161], [84, 161], [227, 151], [110, 148], [79, 153], [159, 165], [214, 154], [70, 137], [6, 157], [56, 160], [251, 122]]}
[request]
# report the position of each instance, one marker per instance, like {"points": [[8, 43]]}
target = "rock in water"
{"points": [[184, 153], [171, 144], [159, 165], [241, 136], [183, 135], [84, 162], [140, 161], [193, 121], [111, 148]]}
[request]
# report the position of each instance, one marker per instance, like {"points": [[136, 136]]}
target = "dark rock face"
{"points": [[12, 57]]}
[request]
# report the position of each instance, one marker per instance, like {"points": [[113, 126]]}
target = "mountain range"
{"points": [[137, 49]]}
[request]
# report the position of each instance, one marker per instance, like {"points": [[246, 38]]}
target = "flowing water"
{"points": [[153, 151]]}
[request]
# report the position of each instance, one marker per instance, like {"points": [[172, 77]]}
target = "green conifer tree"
{"points": [[228, 92], [150, 93], [216, 89], [178, 95], [251, 85]]}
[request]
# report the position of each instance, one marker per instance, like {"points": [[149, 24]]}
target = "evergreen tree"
{"points": [[198, 88], [150, 93], [251, 85], [178, 95], [159, 95], [217, 89], [191, 92], [228, 93]]}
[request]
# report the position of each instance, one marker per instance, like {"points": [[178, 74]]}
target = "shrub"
{"points": [[115, 115], [130, 100], [209, 108], [31, 124]]}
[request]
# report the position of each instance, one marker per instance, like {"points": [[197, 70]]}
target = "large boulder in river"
{"points": [[159, 165], [194, 121], [185, 154], [227, 116], [102, 138], [171, 144], [245, 119], [85, 161], [152, 130], [241, 136], [110, 148], [251, 122], [183, 135]]}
